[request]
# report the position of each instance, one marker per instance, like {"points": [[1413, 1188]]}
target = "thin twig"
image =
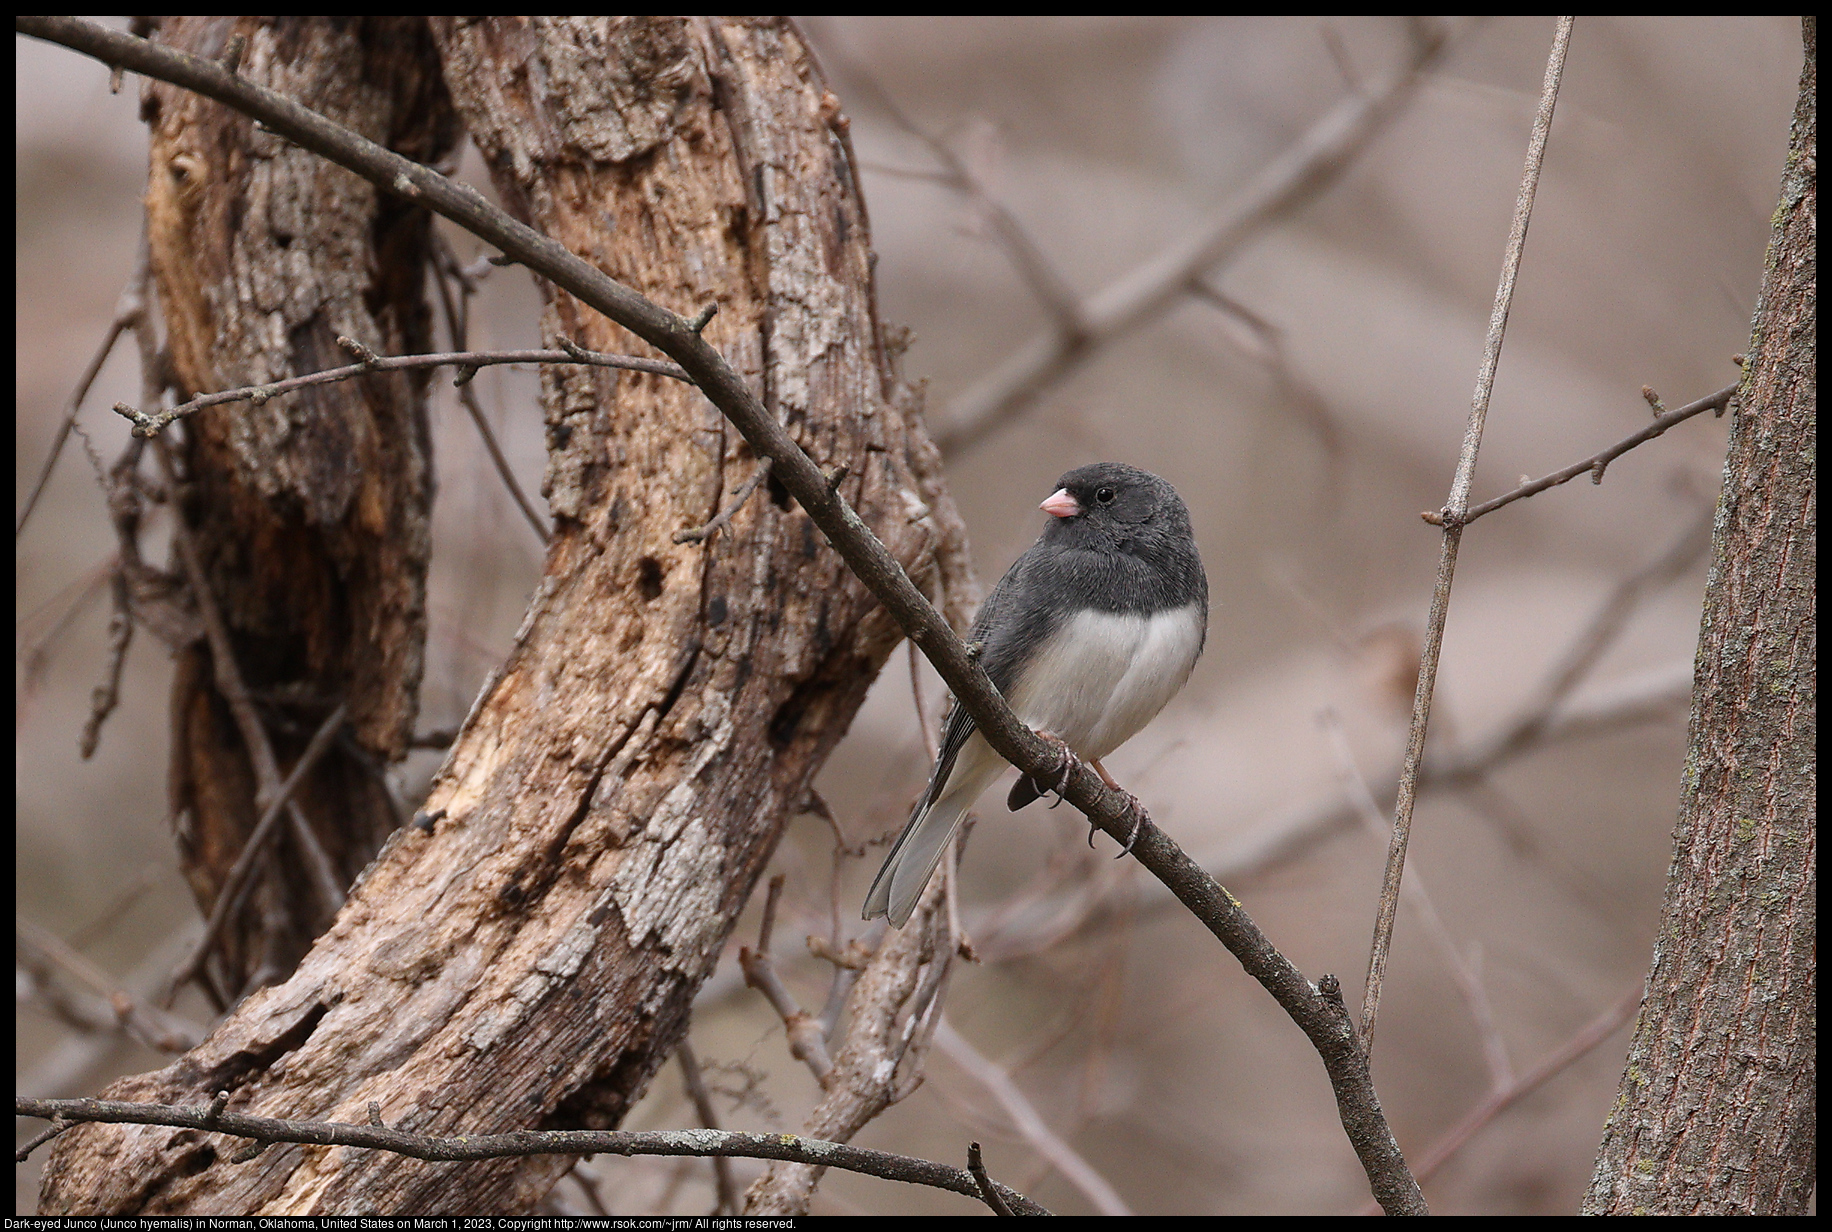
{"points": [[1299, 393], [74, 1062], [130, 308], [807, 1039], [228, 899], [692, 1143], [1593, 1033], [988, 1193], [1296, 177], [848, 958], [57, 1126], [107, 695], [151, 425], [1594, 465], [1454, 513], [700, 534], [228, 676], [149, 875], [1598, 634], [457, 321], [42, 954], [1037, 272], [1413, 891], [318, 864], [1029, 1123], [702, 1107], [34, 651], [589, 1187]]}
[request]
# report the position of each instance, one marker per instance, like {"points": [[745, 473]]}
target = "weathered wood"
{"points": [[621, 782], [311, 511]]}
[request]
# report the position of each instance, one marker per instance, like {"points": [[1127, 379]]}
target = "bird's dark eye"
{"points": [[1104, 495]]}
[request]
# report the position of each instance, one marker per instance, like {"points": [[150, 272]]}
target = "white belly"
{"points": [[1104, 675]]}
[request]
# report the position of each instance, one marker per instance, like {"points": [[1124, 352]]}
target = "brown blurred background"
{"points": [[1307, 406]]}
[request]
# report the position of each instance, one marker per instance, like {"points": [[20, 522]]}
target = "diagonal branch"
{"points": [[235, 885], [1596, 462], [1297, 176], [1501, 1098], [41, 955], [130, 309], [1030, 1123], [446, 271], [1323, 1020]]}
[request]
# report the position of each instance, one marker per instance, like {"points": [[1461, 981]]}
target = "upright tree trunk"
{"points": [[310, 511], [530, 960], [1715, 1112]]}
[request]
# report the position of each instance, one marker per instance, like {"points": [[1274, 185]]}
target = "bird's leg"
{"points": [[1140, 814], [1065, 767]]}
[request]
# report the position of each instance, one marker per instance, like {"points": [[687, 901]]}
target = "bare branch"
{"points": [[1462, 970], [235, 885], [1454, 513], [695, 1143], [1267, 345], [130, 309], [107, 695], [1596, 462], [1039, 274], [988, 1193], [1030, 1124], [45, 956], [700, 534], [466, 361], [1594, 639], [1297, 176], [57, 1126], [1593, 1033], [457, 318], [702, 1107], [807, 1039]]}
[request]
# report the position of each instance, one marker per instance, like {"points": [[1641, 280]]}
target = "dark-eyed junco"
{"points": [[1087, 636]]}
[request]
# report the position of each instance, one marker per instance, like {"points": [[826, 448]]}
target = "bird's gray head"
{"points": [[1110, 506]]}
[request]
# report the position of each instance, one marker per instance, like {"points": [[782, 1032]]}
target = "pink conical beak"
{"points": [[1060, 504]]}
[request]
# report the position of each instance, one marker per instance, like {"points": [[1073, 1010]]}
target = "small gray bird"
{"points": [[1087, 636]]}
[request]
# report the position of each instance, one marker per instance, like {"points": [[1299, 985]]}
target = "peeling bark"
{"points": [[311, 511]]}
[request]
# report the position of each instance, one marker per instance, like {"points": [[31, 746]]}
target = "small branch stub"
{"points": [[988, 1191], [364, 355]]}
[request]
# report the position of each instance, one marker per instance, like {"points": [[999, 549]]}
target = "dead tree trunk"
{"points": [[1715, 1114], [311, 511], [531, 959]]}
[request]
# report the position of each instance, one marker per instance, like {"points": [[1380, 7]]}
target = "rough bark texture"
{"points": [[619, 785], [311, 511], [1716, 1108]]}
